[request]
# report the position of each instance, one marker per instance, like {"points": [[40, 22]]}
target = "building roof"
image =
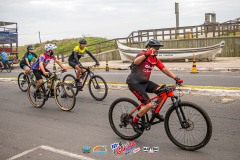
{"points": [[6, 23]]}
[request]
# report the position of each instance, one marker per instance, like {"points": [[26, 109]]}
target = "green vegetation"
{"points": [[65, 46], [236, 34]]}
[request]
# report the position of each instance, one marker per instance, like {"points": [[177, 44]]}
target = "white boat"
{"points": [[201, 53]]}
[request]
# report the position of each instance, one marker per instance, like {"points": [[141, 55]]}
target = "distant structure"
{"points": [[210, 18], [9, 37]]}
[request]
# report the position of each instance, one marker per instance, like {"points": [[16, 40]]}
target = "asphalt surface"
{"points": [[49, 133], [224, 79]]}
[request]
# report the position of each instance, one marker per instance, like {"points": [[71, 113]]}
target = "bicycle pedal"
{"points": [[80, 89]]}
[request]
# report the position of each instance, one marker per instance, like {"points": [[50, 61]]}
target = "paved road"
{"points": [[226, 79], [49, 133]]}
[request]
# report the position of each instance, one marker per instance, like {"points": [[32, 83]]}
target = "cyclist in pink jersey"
{"points": [[39, 67]]}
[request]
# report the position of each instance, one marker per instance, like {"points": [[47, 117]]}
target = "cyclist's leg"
{"points": [[78, 70], [52, 89], [25, 68], [153, 88], [139, 90], [82, 71], [38, 74], [2, 64]]}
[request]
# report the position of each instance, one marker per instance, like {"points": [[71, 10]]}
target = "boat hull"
{"points": [[201, 53]]}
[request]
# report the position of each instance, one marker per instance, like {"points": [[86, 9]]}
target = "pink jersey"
{"points": [[43, 58]]}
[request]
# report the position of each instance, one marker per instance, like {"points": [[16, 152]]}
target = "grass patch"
{"points": [[66, 46]]}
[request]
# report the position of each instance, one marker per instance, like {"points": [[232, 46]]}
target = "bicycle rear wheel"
{"points": [[71, 80], [36, 101], [195, 129], [6, 67], [64, 96], [120, 121], [98, 88], [23, 84]]}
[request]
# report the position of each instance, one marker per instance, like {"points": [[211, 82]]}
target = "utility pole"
{"points": [[177, 19], [39, 37]]}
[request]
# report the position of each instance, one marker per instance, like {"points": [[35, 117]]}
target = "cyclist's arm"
{"points": [[168, 73], [90, 54], [59, 63], [42, 67], [26, 58], [34, 55], [140, 57], [27, 62], [75, 56]]}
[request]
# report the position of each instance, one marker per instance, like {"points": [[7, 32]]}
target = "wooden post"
{"points": [[196, 31], [170, 34], [163, 34], [62, 57]]}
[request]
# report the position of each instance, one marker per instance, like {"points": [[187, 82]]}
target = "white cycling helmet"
{"points": [[49, 47]]}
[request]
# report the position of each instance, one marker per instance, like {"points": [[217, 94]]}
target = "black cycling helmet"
{"points": [[82, 41], [30, 47], [153, 43]]}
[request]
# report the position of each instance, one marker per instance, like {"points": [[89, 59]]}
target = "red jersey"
{"points": [[141, 73]]}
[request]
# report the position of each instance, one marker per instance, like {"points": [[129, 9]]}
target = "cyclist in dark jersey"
{"points": [[77, 53], [139, 83], [25, 63]]}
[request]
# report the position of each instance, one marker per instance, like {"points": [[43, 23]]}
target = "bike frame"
{"points": [[53, 80], [89, 73], [163, 96]]}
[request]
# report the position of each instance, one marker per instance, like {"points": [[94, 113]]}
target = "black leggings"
{"points": [[141, 90]]}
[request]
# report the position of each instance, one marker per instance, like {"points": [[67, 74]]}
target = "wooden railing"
{"points": [[200, 31]]}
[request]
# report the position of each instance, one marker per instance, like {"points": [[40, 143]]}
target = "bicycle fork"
{"points": [[179, 111]]}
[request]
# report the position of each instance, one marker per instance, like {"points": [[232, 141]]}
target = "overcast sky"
{"points": [[59, 19]]}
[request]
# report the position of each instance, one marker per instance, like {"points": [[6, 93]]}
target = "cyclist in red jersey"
{"points": [[139, 83]]}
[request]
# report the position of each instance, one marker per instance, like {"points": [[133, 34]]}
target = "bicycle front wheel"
{"points": [[71, 80], [36, 101], [98, 88], [64, 96], [23, 83], [120, 121], [193, 131]]}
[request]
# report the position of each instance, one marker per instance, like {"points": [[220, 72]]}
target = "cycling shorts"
{"points": [[73, 64], [38, 73], [140, 90], [23, 65]]}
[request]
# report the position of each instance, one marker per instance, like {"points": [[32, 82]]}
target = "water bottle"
{"points": [[54, 67], [48, 84], [155, 104]]}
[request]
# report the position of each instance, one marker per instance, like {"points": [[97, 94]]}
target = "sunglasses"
{"points": [[156, 47]]}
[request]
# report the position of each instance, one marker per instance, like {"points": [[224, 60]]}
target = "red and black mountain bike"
{"points": [[187, 125]]}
